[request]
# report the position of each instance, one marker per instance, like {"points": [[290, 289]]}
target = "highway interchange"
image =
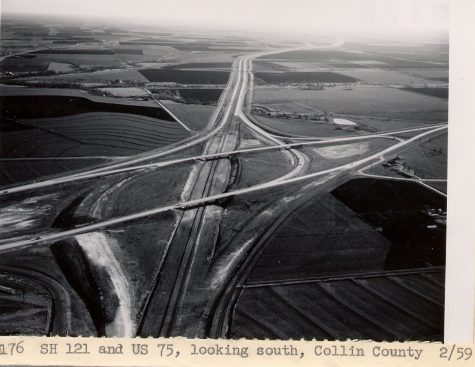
{"points": [[207, 185]]}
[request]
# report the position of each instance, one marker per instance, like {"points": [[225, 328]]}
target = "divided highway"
{"points": [[170, 307]]}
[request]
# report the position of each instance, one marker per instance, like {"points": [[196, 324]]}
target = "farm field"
{"points": [[381, 244], [399, 209], [436, 92], [346, 58], [185, 76], [357, 308], [434, 75], [384, 77], [132, 76], [318, 66], [428, 52], [266, 66], [374, 101], [95, 134], [19, 171], [44, 106], [200, 65], [22, 64], [304, 77], [38, 125], [323, 238], [124, 92], [298, 266], [202, 95], [196, 117]]}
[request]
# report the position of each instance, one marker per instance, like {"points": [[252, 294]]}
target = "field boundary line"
{"points": [[170, 112]]}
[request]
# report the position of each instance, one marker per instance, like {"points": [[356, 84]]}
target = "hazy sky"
{"points": [[307, 16]]}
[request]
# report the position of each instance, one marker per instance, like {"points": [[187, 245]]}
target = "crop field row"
{"points": [[45, 106], [102, 133], [305, 77], [185, 76], [381, 308], [308, 281]]}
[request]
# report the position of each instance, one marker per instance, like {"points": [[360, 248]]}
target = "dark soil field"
{"points": [[323, 238], [74, 41], [124, 51], [436, 92], [18, 64], [398, 209], [12, 173], [42, 106], [185, 76], [201, 96], [200, 65], [304, 77]]}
